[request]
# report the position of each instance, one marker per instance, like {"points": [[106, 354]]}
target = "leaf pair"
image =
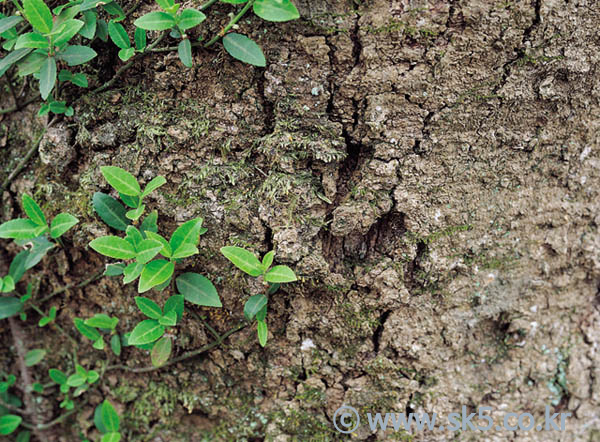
{"points": [[249, 263], [36, 224], [107, 422], [119, 37]]}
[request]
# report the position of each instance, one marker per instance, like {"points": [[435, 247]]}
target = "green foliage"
{"points": [[256, 306], [64, 34], [107, 422]]}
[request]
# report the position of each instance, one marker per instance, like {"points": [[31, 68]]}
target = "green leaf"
{"points": [[61, 224], [165, 4], [89, 28], [244, 49], [38, 388], [154, 184], [33, 211], [184, 50], [19, 228], [8, 284], [132, 271], [23, 436], [169, 319], [121, 180], [114, 269], [280, 274], [110, 210], [148, 307], [149, 223], [184, 251], [146, 332], [17, 266], [155, 21], [268, 260], [253, 305], [9, 306], [101, 320], [71, 28], [126, 54], [87, 331], [262, 313], [98, 344], [198, 289], [47, 77], [166, 250], [75, 54], [32, 357], [9, 423], [130, 201], [115, 345], [135, 213], [118, 35], [190, 18], [275, 10], [161, 351], [175, 303], [113, 247], [147, 249], [113, 8], [111, 437], [76, 380], [140, 42], [243, 260], [110, 418], [57, 376], [7, 23], [31, 64], [187, 233], [32, 40], [234, 2], [102, 30], [39, 15], [12, 58], [261, 328], [155, 273], [133, 236], [40, 247]]}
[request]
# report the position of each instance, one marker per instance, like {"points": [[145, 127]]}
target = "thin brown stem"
{"points": [[184, 356]]}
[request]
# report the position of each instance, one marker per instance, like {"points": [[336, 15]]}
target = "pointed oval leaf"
{"points": [[146, 332], [190, 18], [47, 77], [166, 250], [175, 303], [253, 305], [169, 319], [148, 307], [155, 273], [161, 351], [39, 15], [184, 50], [155, 21], [7, 23], [149, 223], [121, 180], [9, 423], [33, 357], [109, 416], [20, 228], [275, 10], [261, 328], [57, 376], [198, 289], [90, 23], [110, 210], [9, 306], [133, 236], [244, 49], [12, 58], [111, 437], [87, 331], [33, 211], [268, 259], [147, 249], [75, 54], [188, 232], [153, 185], [61, 224], [140, 40], [243, 260], [118, 35], [132, 271], [113, 247], [114, 269], [32, 40], [280, 274], [71, 28], [101, 320], [115, 345], [185, 250]]}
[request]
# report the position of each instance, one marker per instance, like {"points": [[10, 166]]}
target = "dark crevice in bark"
{"points": [[268, 108], [379, 330], [414, 266]]}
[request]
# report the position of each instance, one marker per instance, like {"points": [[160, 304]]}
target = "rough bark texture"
{"points": [[430, 168]]}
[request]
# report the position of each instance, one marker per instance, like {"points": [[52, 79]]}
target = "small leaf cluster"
{"points": [[92, 328], [35, 233], [80, 380], [256, 305], [9, 422], [107, 422]]}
